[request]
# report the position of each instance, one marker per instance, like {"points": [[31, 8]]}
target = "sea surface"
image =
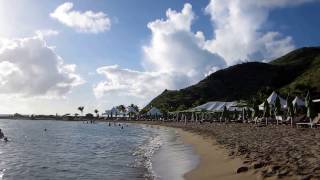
{"points": [[76, 150]]}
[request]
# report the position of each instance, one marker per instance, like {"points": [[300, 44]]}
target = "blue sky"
{"points": [[169, 53]]}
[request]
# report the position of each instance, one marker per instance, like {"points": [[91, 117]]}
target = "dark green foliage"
{"points": [[294, 73]]}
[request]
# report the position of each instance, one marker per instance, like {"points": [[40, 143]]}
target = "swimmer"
{"points": [[121, 127], [1, 134], [5, 139], [45, 129]]}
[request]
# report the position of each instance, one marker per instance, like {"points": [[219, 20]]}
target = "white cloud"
{"points": [[46, 32], [29, 68], [128, 81], [88, 21], [239, 32], [177, 57]]}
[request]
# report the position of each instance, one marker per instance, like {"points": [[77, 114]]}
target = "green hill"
{"points": [[294, 73]]}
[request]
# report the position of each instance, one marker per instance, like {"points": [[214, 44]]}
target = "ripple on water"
{"points": [[71, 150]]}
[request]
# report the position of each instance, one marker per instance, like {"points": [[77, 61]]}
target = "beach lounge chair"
{"points": [[279, 119], [257, 120], [314, 122], [283, 120]]}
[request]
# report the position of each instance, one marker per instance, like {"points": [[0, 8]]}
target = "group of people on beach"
{"points": [[3, 137]]}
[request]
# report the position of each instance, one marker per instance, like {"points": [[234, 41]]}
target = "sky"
{"points": [[58, 55]]}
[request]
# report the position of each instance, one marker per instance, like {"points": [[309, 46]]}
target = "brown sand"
{"points": [[272, 152], [214, 161]]}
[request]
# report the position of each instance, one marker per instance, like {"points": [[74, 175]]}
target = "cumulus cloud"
{"points": [[174, 48], [29, 67], [88, 21], [239, 32], [176, 56], [127, 81]]}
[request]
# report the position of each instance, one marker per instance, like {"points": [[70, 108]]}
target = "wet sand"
{"points": [[214, 160]]}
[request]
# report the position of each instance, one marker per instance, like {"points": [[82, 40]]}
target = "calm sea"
{"points": [[75, 150]]}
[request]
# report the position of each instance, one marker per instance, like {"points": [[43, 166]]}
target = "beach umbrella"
{"points": [[224, 113], [277, 108], [235, 114], [309, 105], [249, 112], [255, 110], [290, 109], [295, 108], [266, 110]]}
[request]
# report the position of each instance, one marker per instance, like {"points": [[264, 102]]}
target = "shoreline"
{"points": [[270, 152], [214, 162], [265, 152]]}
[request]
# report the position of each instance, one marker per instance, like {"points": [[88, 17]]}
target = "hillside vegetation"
{"points": [[294, 73]]}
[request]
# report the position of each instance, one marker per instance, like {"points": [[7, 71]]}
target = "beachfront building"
{"points": [[154, 113], [113, 112], [131, 112], [213, 111]]}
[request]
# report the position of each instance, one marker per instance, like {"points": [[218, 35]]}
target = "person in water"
{"points": [[1, 134], [5, 139]]}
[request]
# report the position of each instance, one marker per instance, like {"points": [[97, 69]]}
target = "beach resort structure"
{"points": [[275, 109]]}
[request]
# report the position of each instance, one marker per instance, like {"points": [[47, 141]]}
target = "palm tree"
{"points": [[121, 108], [81, 108], [133, 110], [97, 112]]}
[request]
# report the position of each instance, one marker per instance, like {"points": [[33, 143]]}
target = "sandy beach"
{"points": [[271, 152], [214, 160]]}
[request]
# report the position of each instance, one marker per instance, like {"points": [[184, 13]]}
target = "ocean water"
{"points": [[75, 150]]}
